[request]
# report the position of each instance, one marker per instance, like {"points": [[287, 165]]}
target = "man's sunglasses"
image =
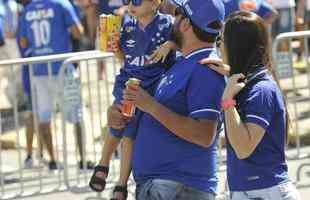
{"points": [[134, 2]]}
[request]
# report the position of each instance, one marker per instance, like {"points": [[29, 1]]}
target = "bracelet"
{"points": [[228, 103]]}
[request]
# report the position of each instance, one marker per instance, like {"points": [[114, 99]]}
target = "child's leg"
{"points": [[98, 179], [125, 167], [120, 191], [129, 134], [109, 147]]}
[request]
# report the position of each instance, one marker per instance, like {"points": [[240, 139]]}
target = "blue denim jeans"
{"points": [[159, 189], [285, 191]]}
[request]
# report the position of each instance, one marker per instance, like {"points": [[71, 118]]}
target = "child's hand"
{"points": [[114, 44], [162, 52], [114, 47]]}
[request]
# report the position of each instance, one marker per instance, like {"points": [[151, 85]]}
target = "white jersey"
{"points": [[307, 4], [278, 4]]}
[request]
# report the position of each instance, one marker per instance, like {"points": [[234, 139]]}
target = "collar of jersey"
{"points": [[198, 51], [150, 24], [254, 75]]}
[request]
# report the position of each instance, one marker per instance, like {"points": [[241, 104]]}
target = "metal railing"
{"points": [[295, 81], [15, 180]]}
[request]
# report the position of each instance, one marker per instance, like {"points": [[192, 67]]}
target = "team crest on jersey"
{"points": [[129, 29], [163, 25], [166, 80]]}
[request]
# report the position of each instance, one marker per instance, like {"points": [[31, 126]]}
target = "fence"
{"points": [[104, 101], [294, 74], [15, 180]]}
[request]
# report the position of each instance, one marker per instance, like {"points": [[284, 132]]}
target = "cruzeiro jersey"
{"points": [[45, 24], [138, 45], [263, 8]]}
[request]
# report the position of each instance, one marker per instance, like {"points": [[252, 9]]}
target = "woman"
{"points": [[255, 113]]}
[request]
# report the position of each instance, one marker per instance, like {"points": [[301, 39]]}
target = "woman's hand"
{"points": [[140, 98], [234, 86], [216, 65]]}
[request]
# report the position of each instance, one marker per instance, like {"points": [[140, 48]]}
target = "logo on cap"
{"points": [[188, 10]]}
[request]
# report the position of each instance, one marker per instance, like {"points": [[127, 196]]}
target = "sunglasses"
{"points": [[134, 2]]}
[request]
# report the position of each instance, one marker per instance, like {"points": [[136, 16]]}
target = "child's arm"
{"points": [[162, 52]]}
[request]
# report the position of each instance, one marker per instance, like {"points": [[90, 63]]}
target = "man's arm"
{"points": [[91, 13], [198, 131], [77, 30]]}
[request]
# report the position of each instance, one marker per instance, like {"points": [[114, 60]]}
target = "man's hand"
{"points": [[115, 118]]}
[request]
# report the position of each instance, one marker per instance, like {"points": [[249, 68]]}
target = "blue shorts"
{"points": [[131, 129], [284, 23]]}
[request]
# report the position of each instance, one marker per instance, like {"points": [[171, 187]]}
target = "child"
{"points": [[145, 46]]}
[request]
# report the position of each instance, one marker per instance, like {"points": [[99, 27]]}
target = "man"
{"points": [[261, 7], [93, 8], [9, 50], [286, 20], [175, 148], [45, 29]]}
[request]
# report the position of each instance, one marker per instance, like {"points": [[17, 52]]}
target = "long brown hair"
{"points": [[247, 43]]}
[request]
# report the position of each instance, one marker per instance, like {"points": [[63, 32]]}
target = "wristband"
{"points": [[228, 103]]}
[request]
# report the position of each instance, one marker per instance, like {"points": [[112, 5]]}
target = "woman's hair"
{"points": [[246, 41], [247, 45]]}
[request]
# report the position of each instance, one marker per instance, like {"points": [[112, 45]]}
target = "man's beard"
{"points": [[177, 36]]}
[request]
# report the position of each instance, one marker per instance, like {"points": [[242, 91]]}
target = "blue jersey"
{"points": [[160, 154], [261, 103], [9, 11], [109, 6], [45, 24], [234, 5], [264, 10], [138, 45], [1, 29], [230, 6]]}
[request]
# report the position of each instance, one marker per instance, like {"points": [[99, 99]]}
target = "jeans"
{"points": [[285, 191], [159, 189]]}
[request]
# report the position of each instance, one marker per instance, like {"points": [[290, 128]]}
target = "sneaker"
{"points": [[89, 165], [28, 163], [52, 165]]}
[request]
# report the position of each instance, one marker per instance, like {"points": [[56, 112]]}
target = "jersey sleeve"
{"points": [[70, 15], [259, 107], [204, 94], [21, 33]]}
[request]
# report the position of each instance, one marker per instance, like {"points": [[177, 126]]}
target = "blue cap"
{"points": [[204, 12]]}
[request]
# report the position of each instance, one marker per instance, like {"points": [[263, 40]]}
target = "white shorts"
{"points": [[47, 94], [72, 100], [285, 191], [45, 91]]}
